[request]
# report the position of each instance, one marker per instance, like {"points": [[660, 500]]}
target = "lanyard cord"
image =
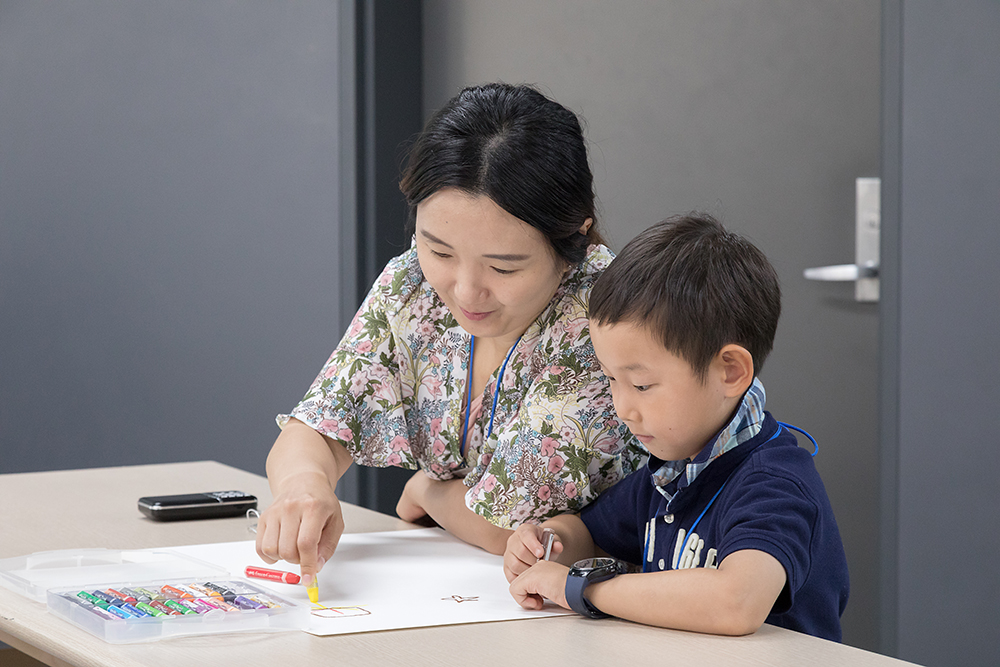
{"points": [[468, 395], [651, 533], [680, 554], [811, 439], [496, 392]]}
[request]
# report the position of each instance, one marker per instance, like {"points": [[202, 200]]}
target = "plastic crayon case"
{"points": [[147, 595]]}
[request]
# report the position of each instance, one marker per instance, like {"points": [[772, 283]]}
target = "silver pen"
{"points": [[548, 537]]}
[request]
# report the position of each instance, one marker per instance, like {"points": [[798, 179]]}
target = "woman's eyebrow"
{"points": [[509, 258], [504, 257], [433, 239]]}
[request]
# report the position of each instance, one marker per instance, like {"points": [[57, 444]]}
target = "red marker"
{"points": [[271, 575]]}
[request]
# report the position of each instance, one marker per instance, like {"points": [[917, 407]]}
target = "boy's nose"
{"points": [[632, 418], [626, 410]]}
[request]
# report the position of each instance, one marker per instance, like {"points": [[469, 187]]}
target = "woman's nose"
{"points": [[469, 287]]}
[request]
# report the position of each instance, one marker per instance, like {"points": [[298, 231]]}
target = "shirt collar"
{"points": [[744, 425]]}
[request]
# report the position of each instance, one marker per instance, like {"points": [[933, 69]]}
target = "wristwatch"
{"points": [[585, 572]]}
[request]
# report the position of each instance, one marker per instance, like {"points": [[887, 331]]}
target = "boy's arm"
{"points": [[573, 537], [734, 599]]}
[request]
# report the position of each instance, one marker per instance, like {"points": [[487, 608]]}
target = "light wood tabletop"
{"points": [[96, 508]]}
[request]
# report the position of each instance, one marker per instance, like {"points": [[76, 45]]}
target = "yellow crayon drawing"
{"points": [[340, 612]]}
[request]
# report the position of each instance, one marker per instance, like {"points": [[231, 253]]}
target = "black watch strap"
{"points": [[575, 585]]}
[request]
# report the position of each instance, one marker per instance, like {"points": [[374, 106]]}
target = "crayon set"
{"points": [[142, 595], [176, 599], [132, 612]]}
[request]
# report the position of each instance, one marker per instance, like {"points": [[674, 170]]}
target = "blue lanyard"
{"points": [[496, 392], [652, 532], [468, 394]]}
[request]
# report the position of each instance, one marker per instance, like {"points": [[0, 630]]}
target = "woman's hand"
{"points": [[444, 503], [544, 579], [304, 523], [525, 547], [411, 504]]}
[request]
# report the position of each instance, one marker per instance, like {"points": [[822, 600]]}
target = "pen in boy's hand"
{"points": [[548, 536]]}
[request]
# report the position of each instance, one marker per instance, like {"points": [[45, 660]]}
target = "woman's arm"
{"points": [[304, 523], [445, 503]]}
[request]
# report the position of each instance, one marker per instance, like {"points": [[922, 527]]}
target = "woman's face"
{"points": [[496, 273]]}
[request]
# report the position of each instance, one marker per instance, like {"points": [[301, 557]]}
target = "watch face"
{"points": [[588, 564]]}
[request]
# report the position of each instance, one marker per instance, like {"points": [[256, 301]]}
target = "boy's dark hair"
{"points": [[521, 149], [695, 286]]}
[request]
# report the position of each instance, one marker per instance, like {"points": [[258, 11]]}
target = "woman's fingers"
{"points": [[302, 529], [317, 541], [267, 538], [330, 537]]}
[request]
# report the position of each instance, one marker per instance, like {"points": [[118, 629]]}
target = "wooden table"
{"points": [[97, 508]]}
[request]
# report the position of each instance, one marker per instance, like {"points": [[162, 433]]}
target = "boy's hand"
{"points": [[525, 548], [544, 579]]}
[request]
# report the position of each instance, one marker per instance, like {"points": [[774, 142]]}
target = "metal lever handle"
{"points": [[842, 272]]}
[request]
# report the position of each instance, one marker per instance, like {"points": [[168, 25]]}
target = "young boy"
{"points": [[729, 525]]}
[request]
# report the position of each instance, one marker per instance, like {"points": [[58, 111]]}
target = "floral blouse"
{"points": [[394, 393]]}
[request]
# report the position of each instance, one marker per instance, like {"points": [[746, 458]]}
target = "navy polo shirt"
{"points": [[772, 499]]}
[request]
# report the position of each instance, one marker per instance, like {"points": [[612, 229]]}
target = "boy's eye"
{"points": [[440, 254], [641, 387]]}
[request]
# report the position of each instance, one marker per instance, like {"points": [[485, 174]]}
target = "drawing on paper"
{"points": [[376, 588], [340, 612]]}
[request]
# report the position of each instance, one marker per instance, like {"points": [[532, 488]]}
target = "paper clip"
{"points": [[252, 517]]}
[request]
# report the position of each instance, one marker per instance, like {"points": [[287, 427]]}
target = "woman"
{"points": [[470, 359]]}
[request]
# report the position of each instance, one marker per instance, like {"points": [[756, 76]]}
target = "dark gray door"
{"points": [[763, 113], [941, 313]]}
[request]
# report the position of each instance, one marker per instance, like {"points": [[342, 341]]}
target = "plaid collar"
{"points": [[744, 425]]}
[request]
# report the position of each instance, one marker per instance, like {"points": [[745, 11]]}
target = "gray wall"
{"points": [[762, 112], [942, 175], [168, 227]]}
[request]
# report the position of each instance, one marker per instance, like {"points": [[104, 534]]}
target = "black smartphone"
{"points": [[212, 505]]}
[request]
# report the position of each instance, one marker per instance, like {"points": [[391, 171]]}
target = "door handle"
{"points": [[842, 272], [864, 271]]}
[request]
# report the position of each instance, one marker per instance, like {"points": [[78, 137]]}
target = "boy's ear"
{"points": [[736, 364]]}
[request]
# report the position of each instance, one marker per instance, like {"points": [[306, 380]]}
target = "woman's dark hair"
{"points": [[517, 147], [696, 287]]}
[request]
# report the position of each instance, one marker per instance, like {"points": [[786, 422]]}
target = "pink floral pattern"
{"points": [[393, 393]]}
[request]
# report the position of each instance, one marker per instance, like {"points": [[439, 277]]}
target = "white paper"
{"points": [[391, 580]]}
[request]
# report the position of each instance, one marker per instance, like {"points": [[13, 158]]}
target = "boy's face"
{"points": [[657, 394]]}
